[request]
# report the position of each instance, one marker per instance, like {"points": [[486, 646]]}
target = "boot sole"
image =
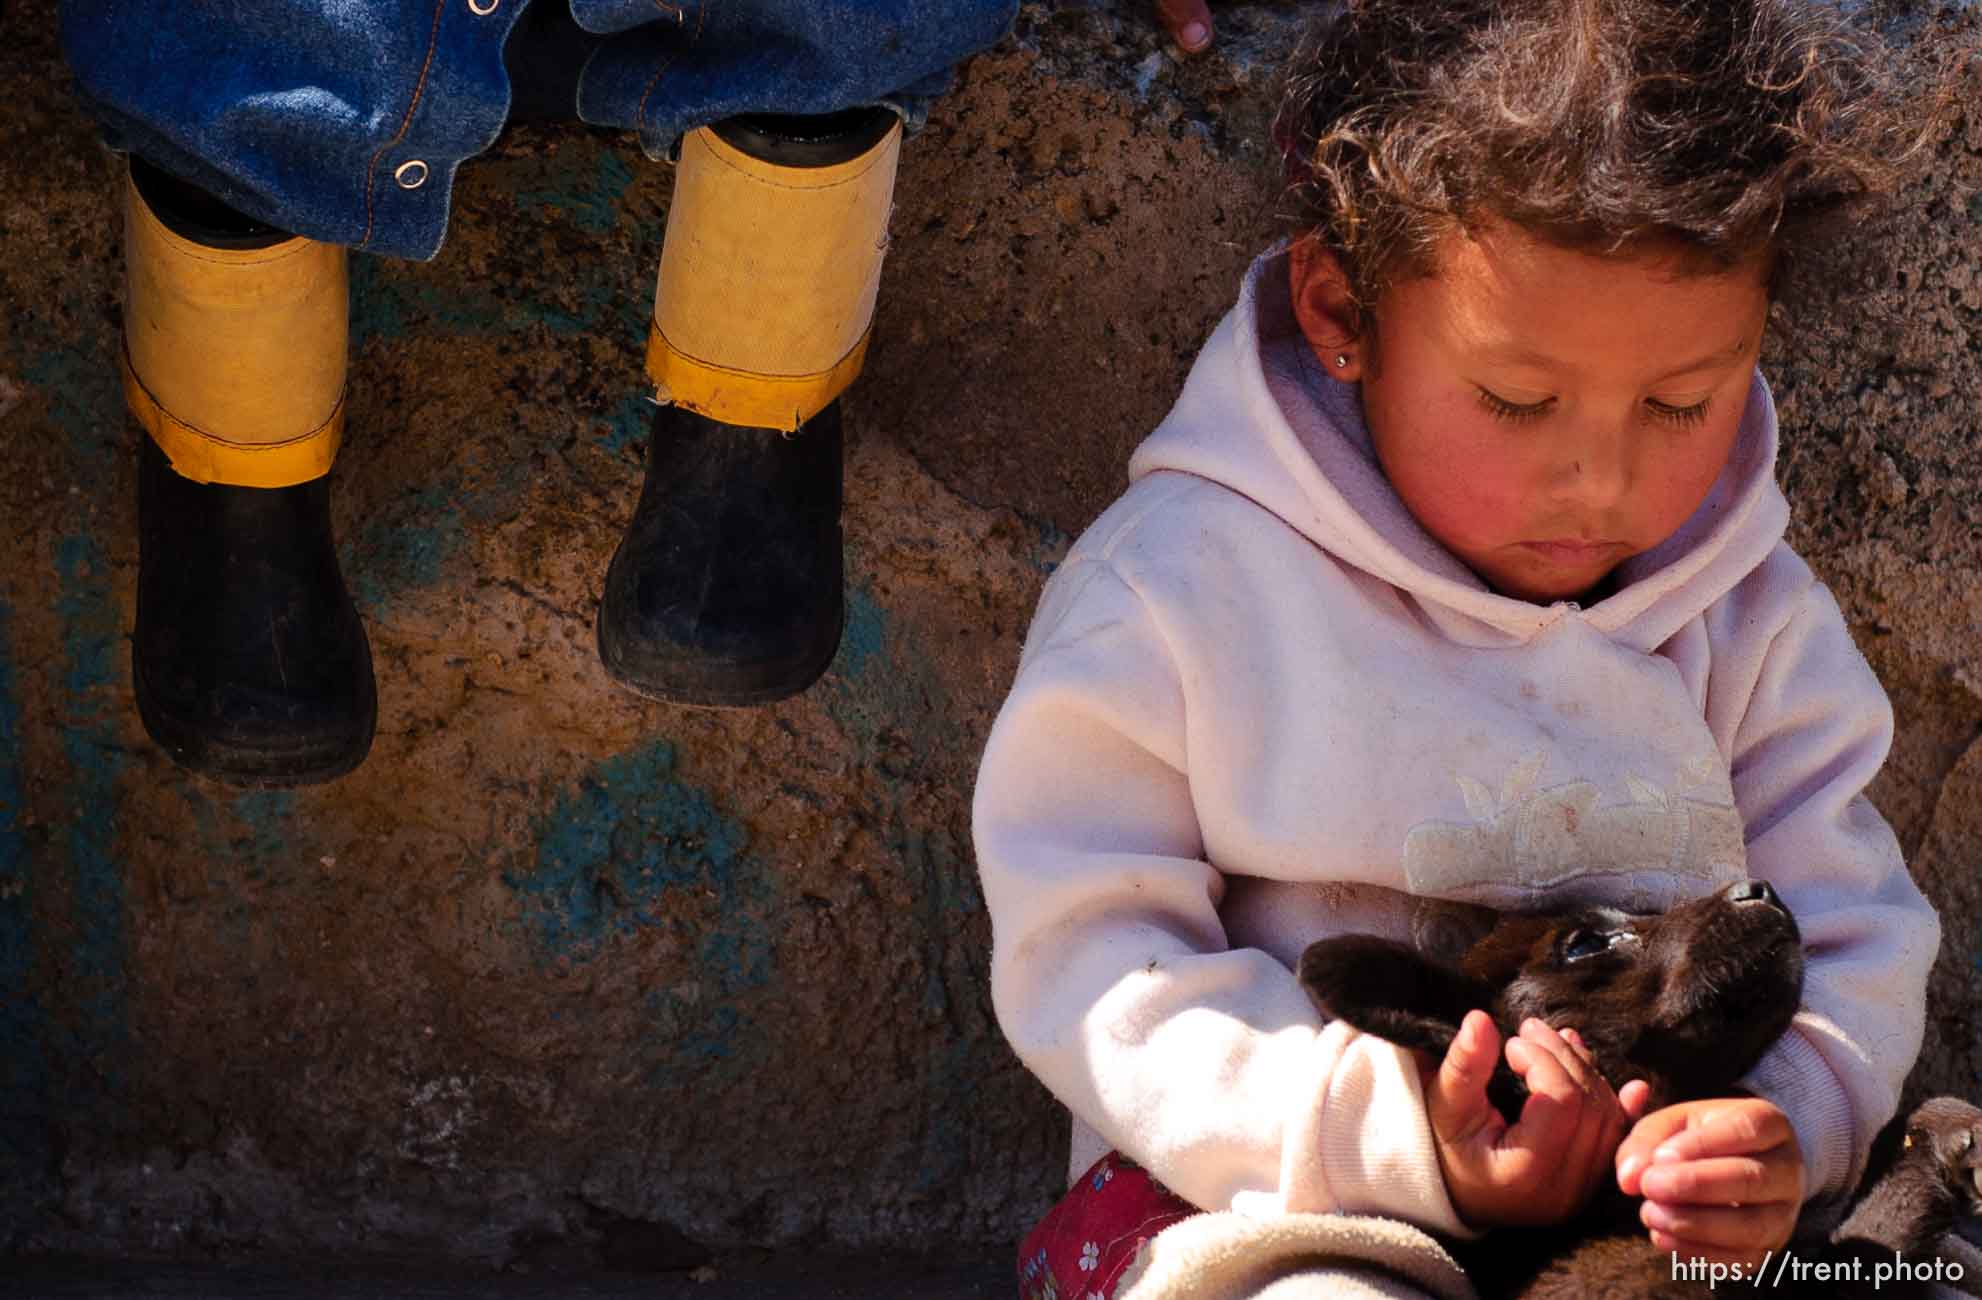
{"points": [[681, 680], [247, 763]]}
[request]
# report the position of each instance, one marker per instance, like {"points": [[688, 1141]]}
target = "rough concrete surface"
{"points": [[960, 1275], [562, 977]]}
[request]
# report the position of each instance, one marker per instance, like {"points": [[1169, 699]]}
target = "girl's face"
{"points": [[1545, 413]]}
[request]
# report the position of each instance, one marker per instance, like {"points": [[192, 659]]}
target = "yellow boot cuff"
{"points": [[767, 283], [234, 359]]}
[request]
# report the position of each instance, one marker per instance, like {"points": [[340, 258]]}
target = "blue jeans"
{"points": [[345, 120]]}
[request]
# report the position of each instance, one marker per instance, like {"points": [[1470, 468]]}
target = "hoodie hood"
{"points": [[1260, 416]]}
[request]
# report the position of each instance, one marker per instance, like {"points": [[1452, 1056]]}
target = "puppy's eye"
{"points": [[1588, 943]]}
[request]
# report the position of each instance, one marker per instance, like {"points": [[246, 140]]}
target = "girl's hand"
{"points": [[1722, 1179], [1546, 1165]]}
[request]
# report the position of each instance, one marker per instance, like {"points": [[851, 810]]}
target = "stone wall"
{"points": [[560, 968]]}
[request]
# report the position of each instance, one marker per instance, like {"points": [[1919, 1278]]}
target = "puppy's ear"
{"points": [[1389, 989]]}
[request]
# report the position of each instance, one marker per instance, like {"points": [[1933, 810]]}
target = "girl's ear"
{"points": [[1326, 309]]}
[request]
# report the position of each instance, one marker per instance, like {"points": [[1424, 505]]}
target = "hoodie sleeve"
{"points": [[1810, 727], [1111, 973]]}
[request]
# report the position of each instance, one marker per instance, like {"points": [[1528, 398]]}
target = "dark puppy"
{"points": [[1688, 1001]]}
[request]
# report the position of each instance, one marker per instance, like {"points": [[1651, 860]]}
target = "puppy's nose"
{"points": [[1753, 891]]}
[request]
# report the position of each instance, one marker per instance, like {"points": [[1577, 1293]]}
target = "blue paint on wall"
{"points": [[89, 627], [390, 300], [85, 1030], [252, 833], [632, 849], [269, 818], [79, 382], [891, 700], [92, 742], [25, 1138], [626, 432], [583, 294], [612, 851], [706, 1036], [246, 848], [63, 1019], [601, 306], [592, 203], [862, 639], [404, 547]]}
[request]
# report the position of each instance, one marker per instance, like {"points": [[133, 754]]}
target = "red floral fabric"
{"points": [[1081, 1248]]}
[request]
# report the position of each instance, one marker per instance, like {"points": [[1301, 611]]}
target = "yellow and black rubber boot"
{"points": [[726, 589], [249, 661]]}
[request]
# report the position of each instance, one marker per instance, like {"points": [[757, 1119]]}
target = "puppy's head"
{"points": [[1945, 1133], [1923, 1179], [1687, 1000]]}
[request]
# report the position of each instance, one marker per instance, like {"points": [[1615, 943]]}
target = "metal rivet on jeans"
{"points": [[410, 175], [482, 8]]}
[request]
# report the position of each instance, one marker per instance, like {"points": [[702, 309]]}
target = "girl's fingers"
{"points": [[1611, 1135], [1581, 1123], [1712, 1227], [1723, 1180], [1574, 1078], [1732, 1129], [1548, 1118], [1596, 1156], [1460, 1084], [1562, 1125], [1614, 1111], [1570, 1053], [1468, 1063]]}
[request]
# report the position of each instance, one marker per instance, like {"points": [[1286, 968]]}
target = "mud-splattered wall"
{"points": [[557, 963]]}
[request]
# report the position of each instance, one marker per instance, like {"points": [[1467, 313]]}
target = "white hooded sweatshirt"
{"points": [[1259, 705]]}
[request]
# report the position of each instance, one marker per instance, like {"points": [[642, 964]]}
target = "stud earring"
{"points": [[1341, 361]]}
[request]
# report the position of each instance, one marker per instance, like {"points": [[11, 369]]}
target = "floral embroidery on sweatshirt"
{"points": [[1536, 836]]}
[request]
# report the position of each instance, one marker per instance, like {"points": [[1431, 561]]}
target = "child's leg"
{"points": [[248, 660], [727, 586]]}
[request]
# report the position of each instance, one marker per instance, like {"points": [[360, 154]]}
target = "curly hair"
{"points": [[1724, 128]]}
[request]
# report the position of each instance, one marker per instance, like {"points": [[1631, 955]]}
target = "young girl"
{"points": [[1456, 580]]}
